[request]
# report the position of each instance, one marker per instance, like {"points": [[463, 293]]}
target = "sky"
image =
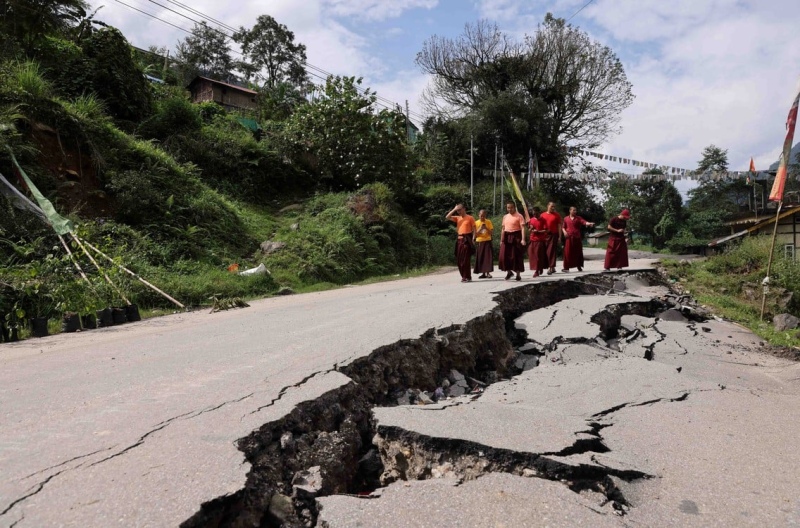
{"points": [[720, 72]]}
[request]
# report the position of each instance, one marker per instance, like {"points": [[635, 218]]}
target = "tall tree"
{"points": [[558, 87], [206, 51], [273, 55], [717, 195], [714, 160]]}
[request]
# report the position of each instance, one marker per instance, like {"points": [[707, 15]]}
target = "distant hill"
{"points": [[792, 157]]}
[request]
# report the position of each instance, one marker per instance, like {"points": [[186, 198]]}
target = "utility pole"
{"points": [[408, 127], [471, 174], [494, 189]]}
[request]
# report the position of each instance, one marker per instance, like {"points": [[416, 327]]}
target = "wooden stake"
{"points": [[137, 277], [96, 265], [75, 261], [769, 261]]}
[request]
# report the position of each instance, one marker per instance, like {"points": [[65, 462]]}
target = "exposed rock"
{"points": [[295, 226], [285, 290], [307, 483], [287, 440], [528, 347], [671, 315], [785, 321], [269, 247], [455, 376], [526, 362], [280, 507], [291, 208]]}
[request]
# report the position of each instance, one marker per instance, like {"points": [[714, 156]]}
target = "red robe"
{"points": [[553, 221], [617, 249], [537, 250], [573, 243]]}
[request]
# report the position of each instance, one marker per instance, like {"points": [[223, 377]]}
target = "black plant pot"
{"points": [[71, 322], [89, 321], [119, 316], [132, 313], [5, 333], [14, 334], [39, 327], [105, 318]]}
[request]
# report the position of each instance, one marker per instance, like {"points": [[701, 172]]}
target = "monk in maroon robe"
{"points": [[512, 242], [573, 241], [553, 221], [617, 249], [537, 249]]}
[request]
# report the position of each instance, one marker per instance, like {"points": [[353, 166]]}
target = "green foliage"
{"points": [[559, 86], [714, 160], [205, 51], [25, 24], [344, 141], [655, 205], [172, 116], [719, 282], [272, 54], [345, 237]]}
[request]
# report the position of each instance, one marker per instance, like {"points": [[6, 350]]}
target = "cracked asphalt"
{"points": [[136, 425]]}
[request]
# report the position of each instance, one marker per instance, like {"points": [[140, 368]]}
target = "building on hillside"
{"points": [[763, 223], [230, 96]]}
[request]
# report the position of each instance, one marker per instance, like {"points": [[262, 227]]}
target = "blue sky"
{"points": [[703, 71]]}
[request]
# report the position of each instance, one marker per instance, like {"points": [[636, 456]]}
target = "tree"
{"points": [[25, 22], [206, 51], [273, 55], [559, 87], [346, 142], [717, 195], [714, 160]]}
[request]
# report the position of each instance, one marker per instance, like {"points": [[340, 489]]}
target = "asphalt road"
{"points": [[136, 425]]}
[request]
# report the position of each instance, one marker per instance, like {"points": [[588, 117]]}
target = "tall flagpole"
{"points": [[778, 186], [765, 282]]}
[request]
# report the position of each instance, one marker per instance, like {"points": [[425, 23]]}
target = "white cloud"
{"points": [[376, 9]]}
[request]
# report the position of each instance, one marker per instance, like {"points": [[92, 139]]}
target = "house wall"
{"points": [[230, 98], [788, 231]]}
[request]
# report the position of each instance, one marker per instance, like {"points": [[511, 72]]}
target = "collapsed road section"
{"points": [[595, 340]]}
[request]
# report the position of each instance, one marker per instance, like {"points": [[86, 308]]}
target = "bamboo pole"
{"points": [[137, 277], [769, 261], [75, 261], [96, 265], [494, 189]]}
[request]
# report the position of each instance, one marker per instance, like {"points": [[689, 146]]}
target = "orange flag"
{"points": [[752, 165], [776, 195]]}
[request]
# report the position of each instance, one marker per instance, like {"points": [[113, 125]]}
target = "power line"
{"points": [[579, 10], [380, 101]]}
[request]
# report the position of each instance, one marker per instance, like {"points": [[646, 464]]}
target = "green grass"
{"points": [[717, 282]]}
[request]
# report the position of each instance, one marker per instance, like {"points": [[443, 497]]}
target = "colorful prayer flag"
{"points": [[776, 195]]}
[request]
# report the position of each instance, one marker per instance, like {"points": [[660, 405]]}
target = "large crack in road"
{"points": [[351, 441]]}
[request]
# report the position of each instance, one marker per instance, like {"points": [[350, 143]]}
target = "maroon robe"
{"points": [[464, 255], [484, 257], [512, 253], [617, 249], [537, 250], [573, 243]]}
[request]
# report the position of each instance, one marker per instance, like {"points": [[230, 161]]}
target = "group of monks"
{"points": [[546, 230]]}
